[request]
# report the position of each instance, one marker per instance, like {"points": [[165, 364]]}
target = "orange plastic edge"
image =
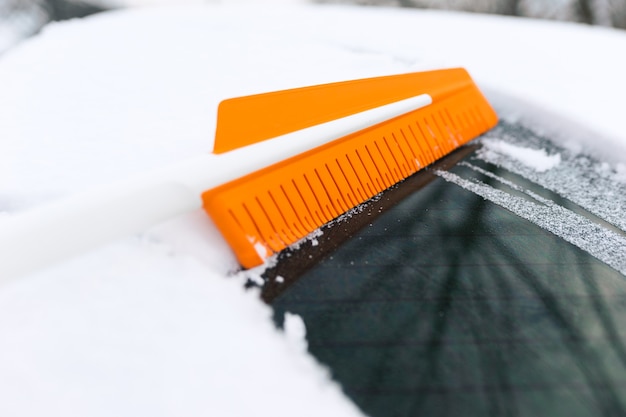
{"points": [[246, 120], [264, 212]]}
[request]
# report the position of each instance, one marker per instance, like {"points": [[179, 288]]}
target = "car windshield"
{"points": [[473, 287]]}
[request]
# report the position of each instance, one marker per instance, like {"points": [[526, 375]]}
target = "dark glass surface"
{"points": [[445, 304]]}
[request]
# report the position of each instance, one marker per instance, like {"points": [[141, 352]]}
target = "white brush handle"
{"points": [[45, 235]]}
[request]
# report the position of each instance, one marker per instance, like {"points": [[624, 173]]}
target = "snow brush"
{"points": [[283, 164]]}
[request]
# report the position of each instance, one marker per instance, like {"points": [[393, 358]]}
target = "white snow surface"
{"points": [[150, 325], [538, 159]]}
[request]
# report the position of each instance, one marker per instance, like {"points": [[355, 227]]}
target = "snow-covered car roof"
{"points": [[149, 325]]}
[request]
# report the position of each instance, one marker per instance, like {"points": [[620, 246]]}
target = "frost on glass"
{"points": [[589, 212]]}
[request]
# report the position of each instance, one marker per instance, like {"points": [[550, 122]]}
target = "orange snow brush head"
{"points": [[262, 213]]}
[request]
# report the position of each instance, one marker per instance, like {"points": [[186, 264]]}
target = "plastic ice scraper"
{"points": [[284, 164]]}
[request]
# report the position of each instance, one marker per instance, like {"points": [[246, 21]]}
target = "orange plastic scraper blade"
{"points": [[262, 213]]}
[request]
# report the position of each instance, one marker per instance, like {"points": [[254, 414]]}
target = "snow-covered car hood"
{"points": [[149, 325]]}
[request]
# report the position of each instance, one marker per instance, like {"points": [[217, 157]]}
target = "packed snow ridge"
{"points": [[537, 159]]}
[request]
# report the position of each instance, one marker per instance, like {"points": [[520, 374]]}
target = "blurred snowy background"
{"points": [[596, 12], [22, 18]]}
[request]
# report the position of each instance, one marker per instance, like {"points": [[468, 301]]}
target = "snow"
{"points": [[538, 159], [295, 331], [589, 183], [608, 246], [587, 203], [149, 325], [139, 329], [8, 37], [620, 173]]}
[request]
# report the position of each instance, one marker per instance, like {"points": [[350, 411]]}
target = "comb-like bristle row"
{"points": [[263, 213]]}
